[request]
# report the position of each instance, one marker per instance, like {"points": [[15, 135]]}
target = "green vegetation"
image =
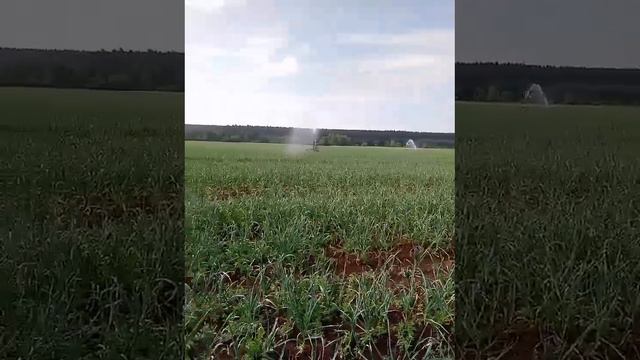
{"points": [[346, 252], [547, 229], [91, 224]]}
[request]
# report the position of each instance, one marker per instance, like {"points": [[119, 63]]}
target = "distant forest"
{"points": [[114, 69], [562, 85], [266, 134]]}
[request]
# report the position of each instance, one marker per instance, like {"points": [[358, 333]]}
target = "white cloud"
{"points": [[249, 67], [226, 80], [261, 49], [288, 66], [231, 67], [397, 62], [268, 42], [210, 6], [411, 67], [439, 41]]}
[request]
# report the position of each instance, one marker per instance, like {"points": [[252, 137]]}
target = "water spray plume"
{"points": [[301, 140], [535, 95]]}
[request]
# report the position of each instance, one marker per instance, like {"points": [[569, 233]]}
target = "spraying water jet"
{"points": [[535, 95], [301, 140]]}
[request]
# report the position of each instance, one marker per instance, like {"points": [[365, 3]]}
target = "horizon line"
{"points": [[545, 65], [320, 128], [120, 49]]}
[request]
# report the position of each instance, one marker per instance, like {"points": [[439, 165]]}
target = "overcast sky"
{"points": [[549, 32], [333, 64], [92, 24]]}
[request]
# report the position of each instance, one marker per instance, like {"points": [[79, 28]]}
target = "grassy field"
{"points": [[91, 224], [547, 231], [344, 253]]}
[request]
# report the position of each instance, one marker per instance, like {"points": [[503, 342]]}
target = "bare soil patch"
{"points": [[398, 260]]}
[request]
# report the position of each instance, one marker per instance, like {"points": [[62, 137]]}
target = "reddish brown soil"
{"points": [[328, 346], [398, 260]]}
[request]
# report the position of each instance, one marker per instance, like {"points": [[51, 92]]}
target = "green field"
{"points": [[346, 252], [91, 224], [547, 230]]}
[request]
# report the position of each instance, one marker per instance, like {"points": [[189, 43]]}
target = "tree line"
{"points": [[507, 82], [115, 69], [327, 137]]}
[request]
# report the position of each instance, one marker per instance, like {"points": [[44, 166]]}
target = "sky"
{"points": [[92, 24], [592, 33], [360, 64]]}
